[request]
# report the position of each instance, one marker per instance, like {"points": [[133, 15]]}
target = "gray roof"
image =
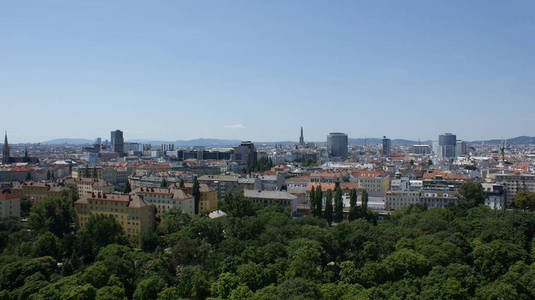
{"points": [[268, 194]]}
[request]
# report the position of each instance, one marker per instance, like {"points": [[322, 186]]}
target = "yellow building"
{"points": [[374, 184], [90, 185], [208, 201], [80, 172], [37, 191], [131, 211]]}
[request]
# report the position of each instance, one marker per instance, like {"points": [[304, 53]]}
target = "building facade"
{"points": [[245, 154], [337, 144], [90, 185], [387, 147], [165, 199], [117, 142], [37, 191], [399, 199], [266, 198], [133, 213], [9, 204], [446, 146], [513, 183]]}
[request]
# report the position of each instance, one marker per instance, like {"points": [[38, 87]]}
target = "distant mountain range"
{"points": [[521, 140], [72, 141]]}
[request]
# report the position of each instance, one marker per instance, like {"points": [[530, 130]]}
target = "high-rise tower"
{"points": [[302, 138], [117, 142], [387, 147], [337, 144], [5, 151]]}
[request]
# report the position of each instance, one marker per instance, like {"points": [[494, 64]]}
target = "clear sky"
{"points": [[260, 69]]}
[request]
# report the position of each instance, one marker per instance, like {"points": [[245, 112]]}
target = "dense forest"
{"points": [[461, 252]]}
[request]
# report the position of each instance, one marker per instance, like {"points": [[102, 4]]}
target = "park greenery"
{"points": [[460, 252]]}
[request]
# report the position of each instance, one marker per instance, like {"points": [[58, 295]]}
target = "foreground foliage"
{"points": [[418, 253]]}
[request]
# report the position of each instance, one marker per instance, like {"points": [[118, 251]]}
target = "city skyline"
{"points": [[361, 139], [255, 71]]}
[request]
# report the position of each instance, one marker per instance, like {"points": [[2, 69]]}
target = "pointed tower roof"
{"points": [[5, 151]]}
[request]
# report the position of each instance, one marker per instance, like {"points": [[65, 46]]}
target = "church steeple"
{"points": [[5, 151], [301, 138]]}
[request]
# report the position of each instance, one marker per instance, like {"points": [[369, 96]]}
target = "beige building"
{"points": [[266, 198], [133, 213], [438, 198], [514, 183], [374, 184], [90, 185], [37, 191], [208, 201], [398, 199], [166, 198], [80, 172], [9, 204], [430, 198], [221, 183]]}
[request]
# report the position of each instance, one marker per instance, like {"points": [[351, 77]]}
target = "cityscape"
{"points": [[394, 175], [267, 150]]}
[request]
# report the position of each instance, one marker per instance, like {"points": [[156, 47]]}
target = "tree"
{"points": [[319, 201], [48, 175], [86, 171], [251, 275], [263, 164], [524, 200], [28, 176], [312, 201], [364, 200], [237, 205], [328, 207], [304, 263], [95, 174], [494, 259], [338, 205], [149, 288], [241, 293], [352, 198], [173, 221], [111, 293], [52, 214], [181, 184], [81, 292], [170, 293], [195, 190], [163, 183], [96, 274], [225, 283], [46, 244], [148, 240], [471, 194], [99, 231]]}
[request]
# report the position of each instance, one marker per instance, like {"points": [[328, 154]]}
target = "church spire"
{"points": [[5, 151], [301, 138]]}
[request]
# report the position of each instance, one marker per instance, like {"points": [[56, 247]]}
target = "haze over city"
{"points": [[256, 70]]}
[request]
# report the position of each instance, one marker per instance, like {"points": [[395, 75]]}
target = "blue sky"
{"points": [[260, 69]]}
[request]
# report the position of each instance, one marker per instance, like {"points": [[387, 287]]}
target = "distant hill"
{"points": [[519, 140], [207, 142], [70, 141], [191, 143]]}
